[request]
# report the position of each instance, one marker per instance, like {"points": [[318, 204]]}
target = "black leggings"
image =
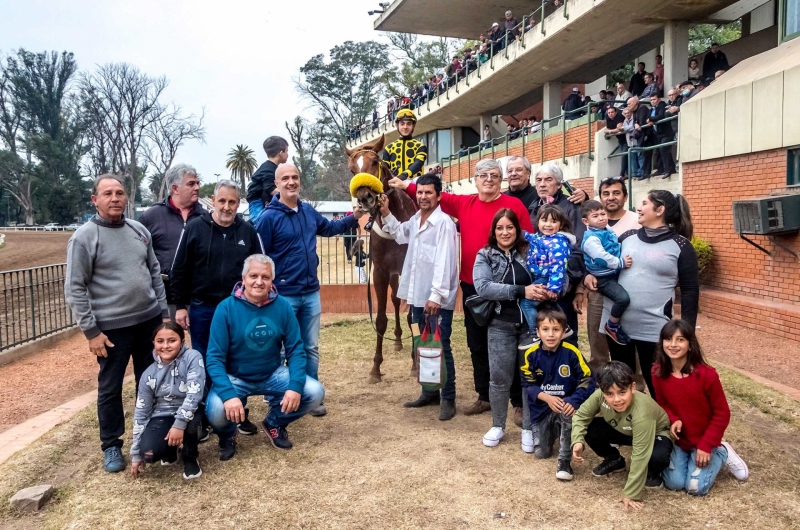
{"points": [[154, 447], [627, 355], [600, 435]]}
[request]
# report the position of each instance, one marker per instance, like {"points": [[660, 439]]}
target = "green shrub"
{"points": [[704, 256]]}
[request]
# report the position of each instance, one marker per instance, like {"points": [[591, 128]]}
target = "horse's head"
{"points": [[367, 159]]}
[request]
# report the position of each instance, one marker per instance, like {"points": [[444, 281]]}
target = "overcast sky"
{"points": [[236, 58]]}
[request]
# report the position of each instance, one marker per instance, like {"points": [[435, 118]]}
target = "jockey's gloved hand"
{"points": [[404, 175]]}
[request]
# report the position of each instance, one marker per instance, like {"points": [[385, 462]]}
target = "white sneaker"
{"points": [[493, 436], [527, 440], [735, 464]]}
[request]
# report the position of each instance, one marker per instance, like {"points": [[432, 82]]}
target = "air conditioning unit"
{"points": [[767, 215]]}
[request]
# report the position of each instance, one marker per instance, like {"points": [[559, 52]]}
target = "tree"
{"points": [[415, 61], [207, 190], [702, 36], [165, 135], [307, 139], [242, 162], [346, 87]]}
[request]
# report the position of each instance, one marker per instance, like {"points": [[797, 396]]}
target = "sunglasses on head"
{"points": [[616, 178]]}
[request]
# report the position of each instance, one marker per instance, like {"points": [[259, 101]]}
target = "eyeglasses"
{"points": [[489, 176]]}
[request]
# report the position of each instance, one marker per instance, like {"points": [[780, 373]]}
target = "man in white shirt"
{"points": [[429, 281]]}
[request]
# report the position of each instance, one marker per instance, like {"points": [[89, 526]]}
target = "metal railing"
{"points": [[357, 129], [33, 304], [338, 260]]}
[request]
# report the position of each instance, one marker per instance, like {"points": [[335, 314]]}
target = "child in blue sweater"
{"points": [[557, 381], [602, 256], [548, 252]]}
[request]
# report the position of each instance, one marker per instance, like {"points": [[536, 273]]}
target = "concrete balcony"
{"points": [[579, 42]]}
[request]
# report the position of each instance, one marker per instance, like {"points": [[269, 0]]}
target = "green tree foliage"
{"points": [[207, 190], [242, 163], [413, 61], [702, 35], [308, 139]]}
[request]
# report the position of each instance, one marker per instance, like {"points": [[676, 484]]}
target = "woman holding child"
{"points": [[662, 258]]}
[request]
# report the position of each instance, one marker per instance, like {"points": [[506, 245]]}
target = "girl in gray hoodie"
{"points": [[165, 416]]}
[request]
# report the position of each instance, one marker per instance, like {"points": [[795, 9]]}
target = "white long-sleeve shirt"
{"points": [[430, 270]]}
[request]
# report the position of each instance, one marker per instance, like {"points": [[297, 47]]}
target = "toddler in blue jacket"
{"points": [[557, 381], [602, 256], [548, 252]]}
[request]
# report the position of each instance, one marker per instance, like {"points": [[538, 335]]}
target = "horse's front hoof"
{"points": [[398, 346], [374, 379]]}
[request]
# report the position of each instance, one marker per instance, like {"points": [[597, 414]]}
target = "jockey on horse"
{"points": [[406, 156]]}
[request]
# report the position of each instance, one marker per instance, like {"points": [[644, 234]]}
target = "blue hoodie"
{"points": [[246, 339], [290, 239], [561, 373]]}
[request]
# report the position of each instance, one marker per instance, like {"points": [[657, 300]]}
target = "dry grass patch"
{"points": [[373, 464]]}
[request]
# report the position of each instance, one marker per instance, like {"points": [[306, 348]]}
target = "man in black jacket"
{"points": [[637, 84], [714, 61], [262, 183], [165, 220], [208, 265], [664, 133]]}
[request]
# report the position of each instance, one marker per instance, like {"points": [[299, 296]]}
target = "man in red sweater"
{"points": [[475, 214]]}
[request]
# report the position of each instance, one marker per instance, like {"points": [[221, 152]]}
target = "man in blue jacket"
{"points": [[244, 359], [289, 230]]}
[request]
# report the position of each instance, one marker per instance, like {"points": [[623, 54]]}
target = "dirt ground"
{"points": [[373, 464], [32, 249]]}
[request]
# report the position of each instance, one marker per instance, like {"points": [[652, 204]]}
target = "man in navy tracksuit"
{"points": [[557, 381], [289, 229]]}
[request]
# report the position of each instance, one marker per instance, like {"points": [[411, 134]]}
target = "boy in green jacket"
{"points": [[626, 417]]}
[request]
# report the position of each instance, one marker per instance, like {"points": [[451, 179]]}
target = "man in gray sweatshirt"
{"points": [[114, 288]]}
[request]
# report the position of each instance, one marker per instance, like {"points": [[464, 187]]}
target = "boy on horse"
{"points": [[406, 156]]}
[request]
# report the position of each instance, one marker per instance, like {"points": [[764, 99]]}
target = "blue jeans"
{"points": [[637, 160], [445, 330], [256, 209], [272, 388], [530, 308], [683, 473], [200, 316], [308, 310]]}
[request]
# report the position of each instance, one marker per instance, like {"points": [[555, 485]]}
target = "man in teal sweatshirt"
{"points": [[244, 359]]}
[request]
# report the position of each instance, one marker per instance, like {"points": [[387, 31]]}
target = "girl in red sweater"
{"points": [[690, 392]]}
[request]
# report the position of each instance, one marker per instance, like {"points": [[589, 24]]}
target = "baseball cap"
{"points": [[575, 89], [495, 24]]}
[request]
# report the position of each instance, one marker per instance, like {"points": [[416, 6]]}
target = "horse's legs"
{"points": [[381, 321], [398, 330]]}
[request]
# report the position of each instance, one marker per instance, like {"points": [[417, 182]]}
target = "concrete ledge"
{"points": [[778, 318], [47, 341]]}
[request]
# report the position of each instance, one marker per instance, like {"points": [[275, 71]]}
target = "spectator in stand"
{"points": [[614, 121], [165, 220], [262, 184], [658, 74], [374, 119], [673, 108], [512, 132], [451, 70], [637, 84], [497, 36], [572, 103], [641, 115], [475, 214], [533, 124], [664, 133], [650, 87], [511, 24], [694, 71], [622, 96], [714, 61], [486, 137], [633, 138], [390, 109], [687, 91]]}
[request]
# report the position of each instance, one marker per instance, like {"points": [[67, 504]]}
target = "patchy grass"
{"points": [[373, 464]]}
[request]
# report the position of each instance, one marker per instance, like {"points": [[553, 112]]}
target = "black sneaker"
{"points": [[653, 480], [205, 434], [528, 339], [609, 466], [191, 469], [277, 435], [565, 470], [247, 427], [227, 448]]}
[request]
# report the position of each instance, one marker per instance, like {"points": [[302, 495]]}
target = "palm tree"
{"points": [[242, 163]]}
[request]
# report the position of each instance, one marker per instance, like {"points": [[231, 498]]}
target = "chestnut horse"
{"points": [[386, 256]]}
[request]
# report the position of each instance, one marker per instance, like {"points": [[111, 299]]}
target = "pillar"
{"points": [[676, 53], [552, 101], [455, 139]]}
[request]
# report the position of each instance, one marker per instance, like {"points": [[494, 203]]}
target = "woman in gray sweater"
{"points": [[663, 258]]}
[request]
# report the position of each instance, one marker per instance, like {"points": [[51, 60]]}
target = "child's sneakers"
{"points": [[493, 436], [528, 339], [568, 332], [614, 330], [564, 470], [527, 440], [191, 469], [653, 480], [735, 464], [608, 466]]}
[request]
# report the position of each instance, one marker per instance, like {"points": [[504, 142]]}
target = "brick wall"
{"points": [[577, 142], [745, 284]]}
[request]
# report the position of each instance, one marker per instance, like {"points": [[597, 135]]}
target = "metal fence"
{"points": [[33, 304], [339, 260]]}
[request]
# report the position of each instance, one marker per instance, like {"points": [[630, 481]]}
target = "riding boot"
{"points": [[422, 401]]}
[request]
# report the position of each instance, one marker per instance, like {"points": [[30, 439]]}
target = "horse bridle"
{"points": [[372, 214]]}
